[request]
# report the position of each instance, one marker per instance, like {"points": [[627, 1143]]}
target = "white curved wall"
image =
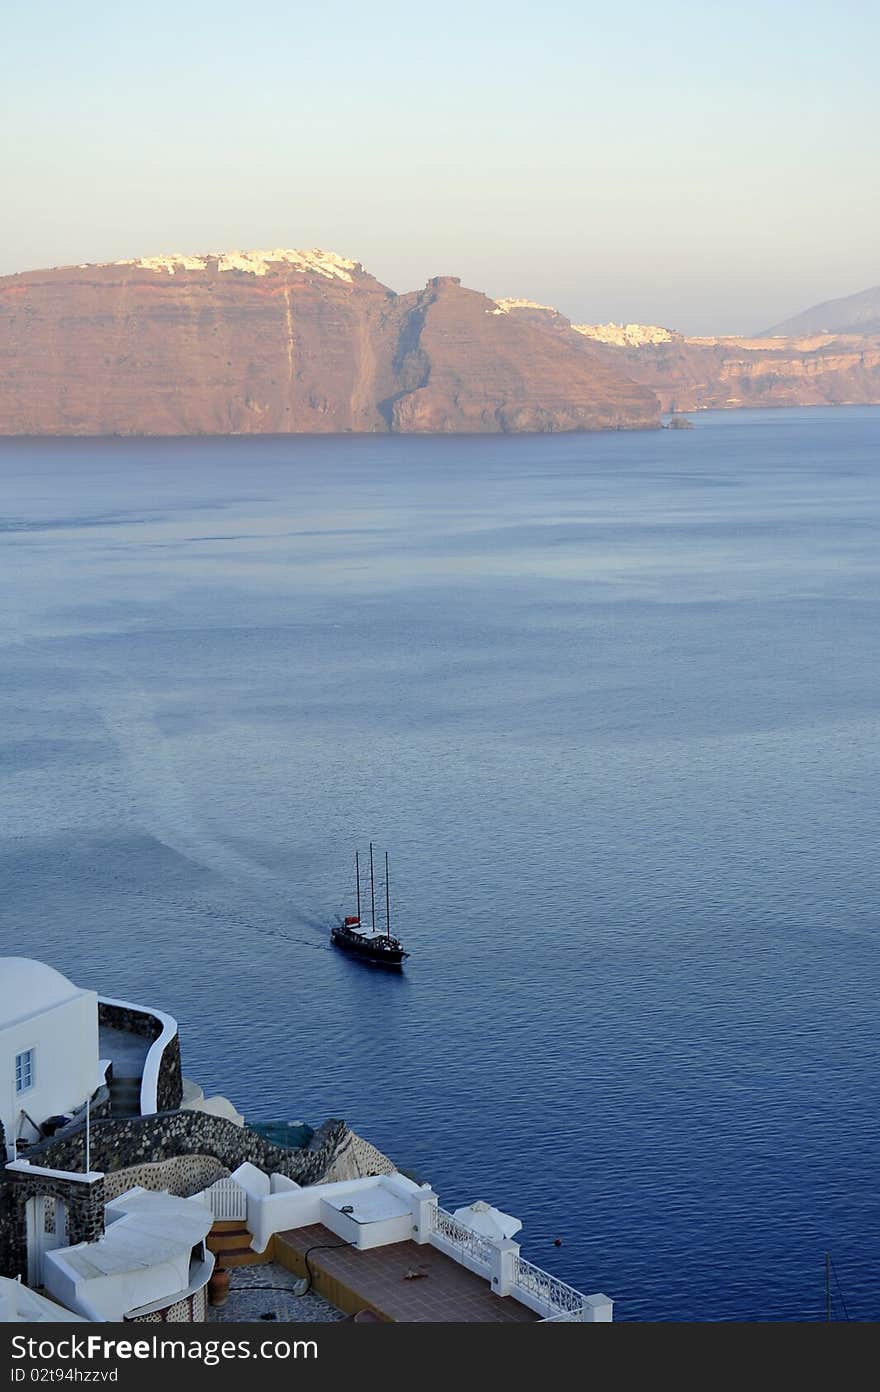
{"points": [[269, 1213]]}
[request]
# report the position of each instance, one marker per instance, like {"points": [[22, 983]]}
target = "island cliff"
{"points": [[285, 342], [296, 342], [693, 374], [827, 356]]}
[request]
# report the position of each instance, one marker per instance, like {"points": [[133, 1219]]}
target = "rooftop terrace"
{"points": [[382, 1243], [403, 1282]]}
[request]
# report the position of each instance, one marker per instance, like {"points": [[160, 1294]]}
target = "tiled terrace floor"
{"points": [[378, 1280]]}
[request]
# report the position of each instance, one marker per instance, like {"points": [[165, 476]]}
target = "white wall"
{"points": [[271, 1213], [65, 1043], [376, 1232], [18, 1304], [112, 1296]]}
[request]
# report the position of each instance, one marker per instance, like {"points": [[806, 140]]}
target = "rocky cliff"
{"points": [[694, 374], [691, 374], [464, 363], [284, 341]]}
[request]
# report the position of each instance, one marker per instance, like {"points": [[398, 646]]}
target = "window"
{"points": [[24, 1070]]}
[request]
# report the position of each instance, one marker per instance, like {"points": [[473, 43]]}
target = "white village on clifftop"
{"points": [[128, 1195]]}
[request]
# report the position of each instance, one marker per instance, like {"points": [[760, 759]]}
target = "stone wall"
{"points": [[170, 1085], [193, 1309], [99, 1107], [85, 1213], [122, 1142], [129, 1018], [183, 1175], [356, 1158]]}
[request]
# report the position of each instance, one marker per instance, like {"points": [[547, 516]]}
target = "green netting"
{"points": [[292, 1134]]}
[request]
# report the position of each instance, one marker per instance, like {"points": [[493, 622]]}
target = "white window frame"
{"points": [[25, 1067]]}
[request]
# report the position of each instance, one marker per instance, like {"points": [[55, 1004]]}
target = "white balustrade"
{"points": [[465, 1241], [226, 1200], [553, 1298], [511, 1274]]}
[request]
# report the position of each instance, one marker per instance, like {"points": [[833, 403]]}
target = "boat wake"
{"points": [[153, 798], [163, 809]]}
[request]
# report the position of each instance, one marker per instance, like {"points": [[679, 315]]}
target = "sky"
{"points": [[710, 168]]}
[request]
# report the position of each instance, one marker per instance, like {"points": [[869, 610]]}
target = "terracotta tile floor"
{"points": [[446, 1292]]}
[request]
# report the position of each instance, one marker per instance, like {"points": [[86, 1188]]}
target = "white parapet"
{"points": [[20, 1305], [27, 1167], [602, 1307], [424, 1204], [381, 1206]]}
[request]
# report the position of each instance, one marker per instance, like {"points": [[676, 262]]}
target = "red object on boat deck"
{"points": [[352, 921]]}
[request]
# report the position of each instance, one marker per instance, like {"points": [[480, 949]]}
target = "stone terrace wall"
{"points": [[355, 1158], [170, 1085], [85, 1213], [130, 1019], [122, 1142], [193, 1309], [183, 1175]]}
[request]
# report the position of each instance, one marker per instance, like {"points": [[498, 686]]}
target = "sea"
{"points": [[610, 703]]}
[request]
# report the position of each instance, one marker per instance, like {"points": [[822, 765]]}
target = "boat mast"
{"points": [[357, 876], [387, 901], [372, 890]]}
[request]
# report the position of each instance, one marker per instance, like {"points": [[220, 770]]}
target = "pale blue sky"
{"points": [[711, 168]]}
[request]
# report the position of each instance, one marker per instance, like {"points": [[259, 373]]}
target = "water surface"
{"points": [[611, 703]]}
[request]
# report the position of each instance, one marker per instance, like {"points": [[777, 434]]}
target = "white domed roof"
{"points": [[28, 988]]}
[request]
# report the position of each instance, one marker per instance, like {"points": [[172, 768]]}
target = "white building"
{"points": [[151, 1263], [49, 1062]]}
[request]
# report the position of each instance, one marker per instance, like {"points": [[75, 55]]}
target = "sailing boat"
{"points": [[371, 946]]}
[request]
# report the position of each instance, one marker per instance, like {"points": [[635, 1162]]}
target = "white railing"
{"points": [[464, 1240], [561, 1301], [226, 1200], [511, 1274]]}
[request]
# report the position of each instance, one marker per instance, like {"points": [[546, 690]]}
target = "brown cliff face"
{"points": [[463, 365], [136, 350], [692, 374], [285, 342]]}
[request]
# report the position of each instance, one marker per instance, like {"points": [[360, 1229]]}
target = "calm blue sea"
{"points": [[610, 701]]}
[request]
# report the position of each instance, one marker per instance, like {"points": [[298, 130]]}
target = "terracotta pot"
{"points": [[218, 1286]]}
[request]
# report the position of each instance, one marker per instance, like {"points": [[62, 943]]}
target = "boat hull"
{"points": [[378, 953]]}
